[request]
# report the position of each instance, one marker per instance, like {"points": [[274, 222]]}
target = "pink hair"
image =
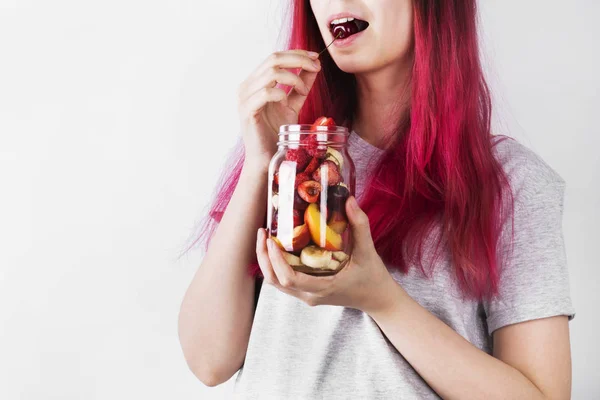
{"points": [[439, 168]]}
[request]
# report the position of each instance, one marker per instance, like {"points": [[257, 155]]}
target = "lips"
{"points": [[344, 27]]}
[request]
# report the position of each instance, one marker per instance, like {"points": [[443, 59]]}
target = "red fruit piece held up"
{"points": [[309, 191], [333, 173], [323, 121]]}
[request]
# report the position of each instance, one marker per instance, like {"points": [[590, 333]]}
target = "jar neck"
{"points": [[297, 135]]}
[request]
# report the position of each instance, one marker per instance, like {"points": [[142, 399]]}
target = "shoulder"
{"points": [[527, 172]]}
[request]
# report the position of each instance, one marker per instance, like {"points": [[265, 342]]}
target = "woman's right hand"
{"points": [[263, 107]]}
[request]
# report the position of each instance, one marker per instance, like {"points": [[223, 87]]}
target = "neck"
{"points": [[382, 99]]}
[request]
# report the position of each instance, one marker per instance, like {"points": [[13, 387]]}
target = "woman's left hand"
{"points": [[364, 283]]}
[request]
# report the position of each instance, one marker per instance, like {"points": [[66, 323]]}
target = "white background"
{"points": [[115, 117]]}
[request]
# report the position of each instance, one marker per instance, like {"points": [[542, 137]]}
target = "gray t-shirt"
{"points": [[331, 352]]}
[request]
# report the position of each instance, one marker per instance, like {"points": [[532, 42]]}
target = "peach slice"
{"points": [[331, 239], [338, 222], [278, 242], [301, 237]]}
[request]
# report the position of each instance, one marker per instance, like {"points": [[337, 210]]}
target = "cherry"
{"points": [[336, 198], [344, 30]]}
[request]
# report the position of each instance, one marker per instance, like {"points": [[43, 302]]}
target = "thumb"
{"points": [[359, 223], [295, 99]]}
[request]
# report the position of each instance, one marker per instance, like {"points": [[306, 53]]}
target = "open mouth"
{"points": [[346, 27]]}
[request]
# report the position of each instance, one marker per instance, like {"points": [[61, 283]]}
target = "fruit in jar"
{"points": [[333, 264], [336, 198], [291, 259], [313, 147], [301, 237], [274, 223], [301, 178], [323, 121], [331, 240], [338, 222], [299, 203], [335, 156], [312, 166], [275, 201], [277, 242], [300, 156], [315, 257], [309, 191], [298, 218], [328, 173], [340, 256]]}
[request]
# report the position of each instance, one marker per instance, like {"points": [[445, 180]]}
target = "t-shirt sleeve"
{"points": [[534, 281]]}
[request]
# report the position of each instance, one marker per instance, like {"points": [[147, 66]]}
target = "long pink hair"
{"points": [[439, 168]]}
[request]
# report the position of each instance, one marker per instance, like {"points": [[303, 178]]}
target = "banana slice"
{"points": [[275, 201], [335, 156], [340, 256], [315, 257], [291, 259], [333, 264]]}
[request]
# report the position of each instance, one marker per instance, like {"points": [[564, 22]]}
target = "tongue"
{"points": [[347, 29]]}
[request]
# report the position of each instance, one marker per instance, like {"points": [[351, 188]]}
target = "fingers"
{"points": [[273, 71], [303, 59], [277, 75], [359, 223], [263, 258], [260, 99], [290, 279], [296, 98]]}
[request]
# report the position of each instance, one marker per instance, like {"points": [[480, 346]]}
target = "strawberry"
{"points": [[312, 166], [323, 121], [333, 173], [300, 156]]}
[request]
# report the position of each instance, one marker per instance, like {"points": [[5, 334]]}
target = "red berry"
{"points": [[300, 178], [313, 147], [312, 166], [333, 173], [324, 121], [300, 156]]}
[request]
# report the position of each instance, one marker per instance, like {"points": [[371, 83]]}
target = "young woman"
{"points": [[457, 286]]}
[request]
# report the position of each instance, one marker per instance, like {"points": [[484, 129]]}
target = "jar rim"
{"points": [[306, 128]]}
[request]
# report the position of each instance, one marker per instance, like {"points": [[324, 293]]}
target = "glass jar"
{"points": [[310, 178]]}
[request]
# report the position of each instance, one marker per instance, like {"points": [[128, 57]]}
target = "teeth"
{"points": [[341, 20]]}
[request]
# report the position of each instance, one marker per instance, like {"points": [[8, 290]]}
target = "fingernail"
{"points": [[313, 54], [316, 64], [270, 243]]}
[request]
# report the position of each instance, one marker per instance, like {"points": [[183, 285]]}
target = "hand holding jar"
{"points": [[364, 283]]}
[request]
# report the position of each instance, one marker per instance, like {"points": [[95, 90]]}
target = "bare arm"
{"points": [[217, 311], [532, 360]]}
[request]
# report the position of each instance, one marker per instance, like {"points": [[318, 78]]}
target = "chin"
{"points": [[357, 64]]}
